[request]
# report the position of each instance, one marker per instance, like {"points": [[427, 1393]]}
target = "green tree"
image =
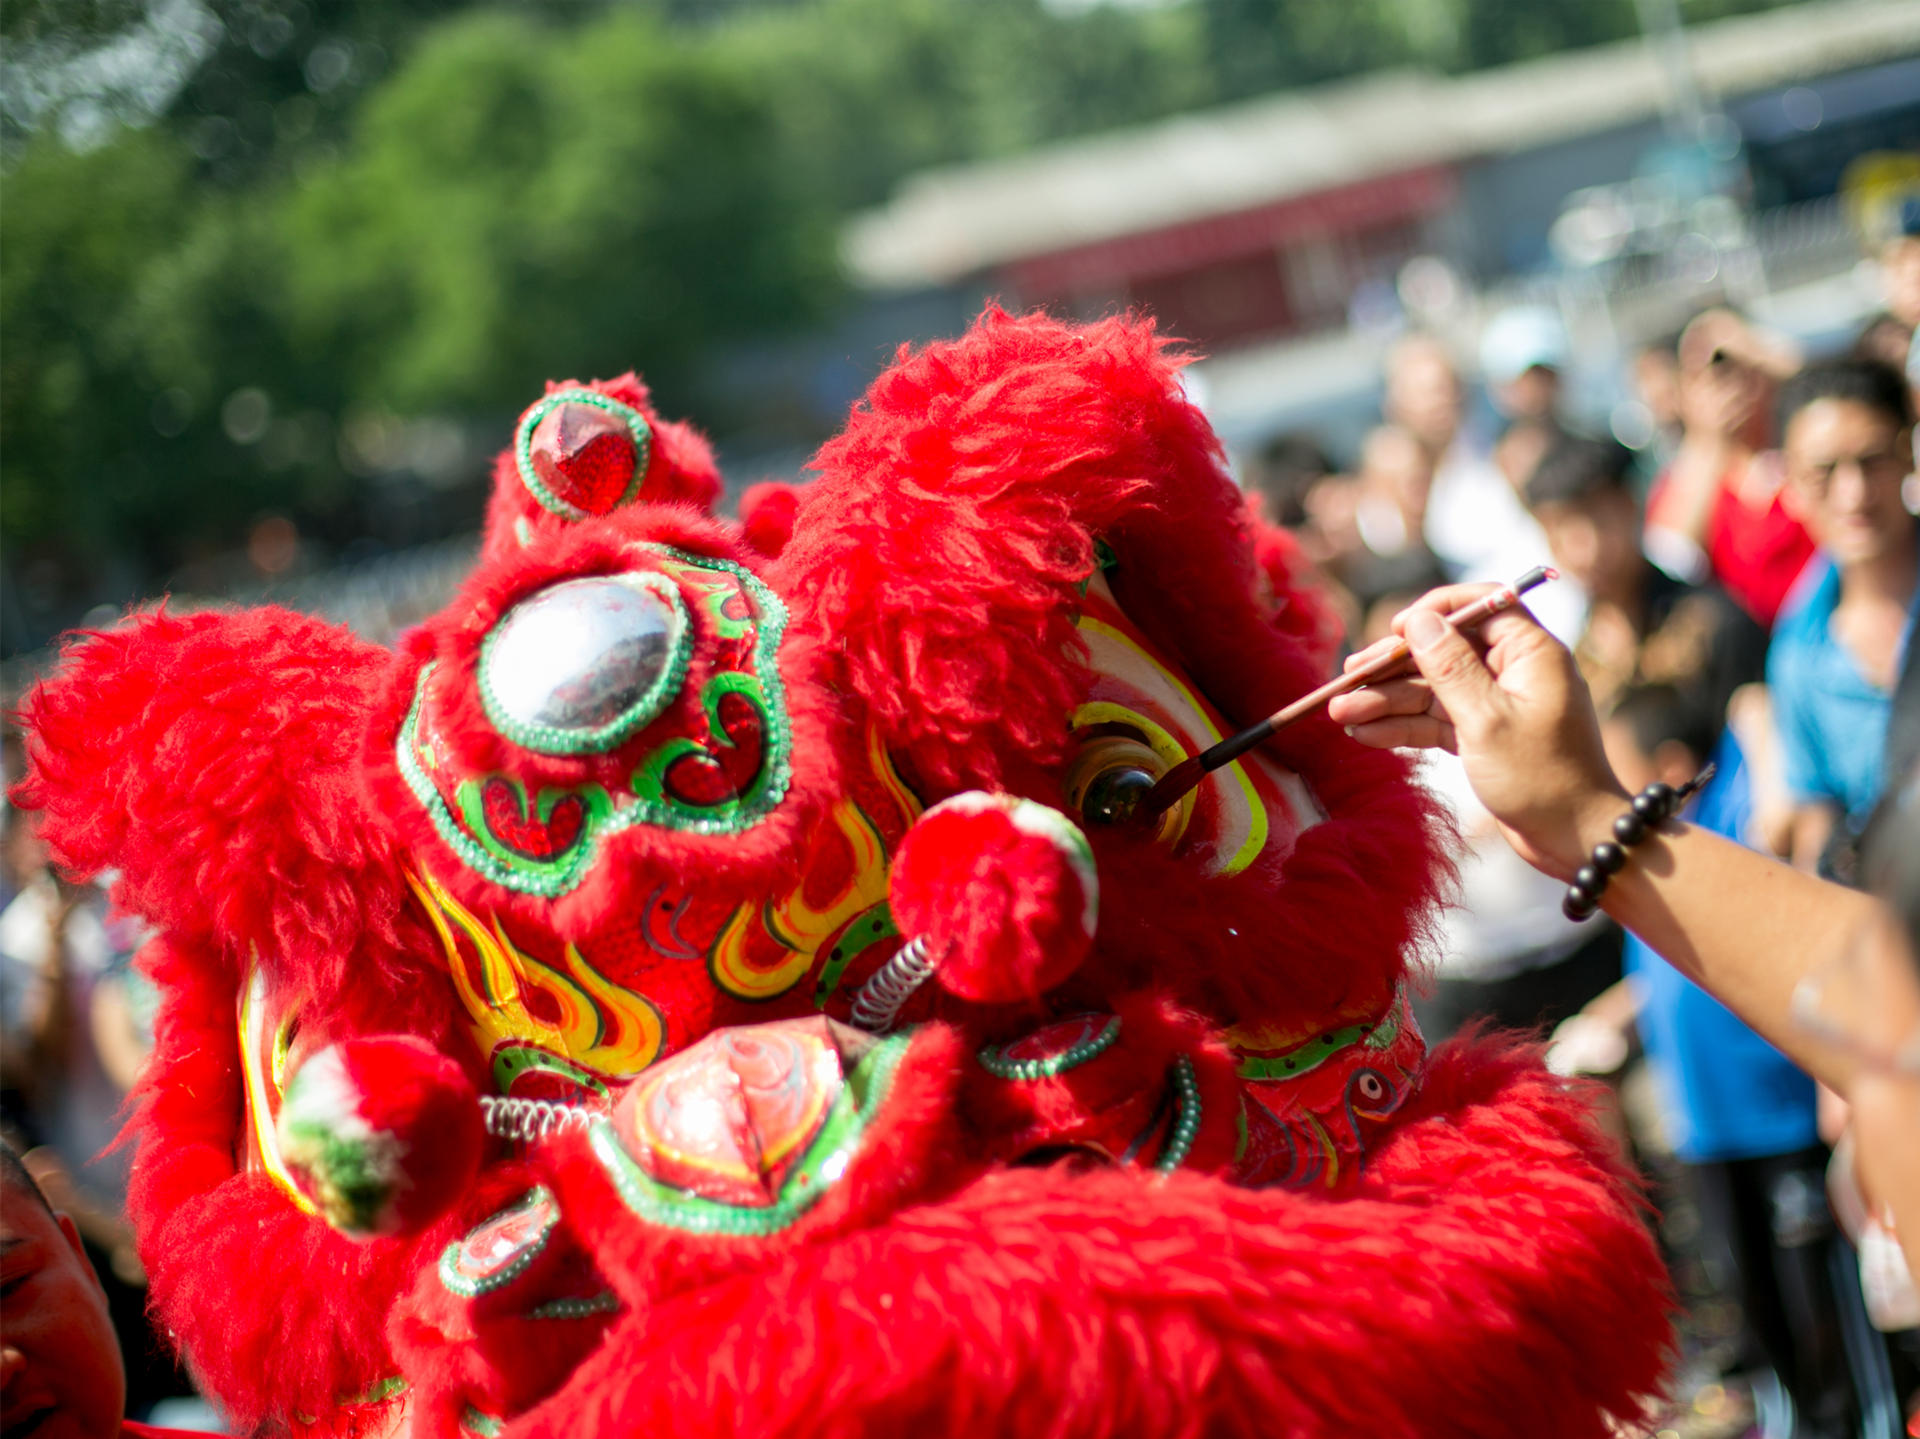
{"points": [[523, 200], [867, 91], [79, 234]]}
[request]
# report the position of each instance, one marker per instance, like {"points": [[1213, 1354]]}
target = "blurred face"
{"points": [[1845, 462], [60, 1374], [1596, 542], [1519, 454], [1394, 466], [1423, 394], [1532, 396]]}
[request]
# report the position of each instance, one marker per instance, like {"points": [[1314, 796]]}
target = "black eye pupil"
{"points": [[1114, 794]]}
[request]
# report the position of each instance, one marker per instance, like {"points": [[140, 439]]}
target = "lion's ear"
{"points": [[966, 506], [213, 761]]}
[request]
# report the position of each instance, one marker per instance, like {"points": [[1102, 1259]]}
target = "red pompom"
{"points": [[1002, 889], [767, 513], [383, 1135]]}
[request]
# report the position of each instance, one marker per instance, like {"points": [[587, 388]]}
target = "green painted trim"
{"points": [[549, 739], [865, 930], [522, 875], [649, 781], [607, 813], [1303, 1058], [1388, 1029], [993, 1058], [605, 1302], [458, 1283], [515, 1058], [1186, 1119], [523, 448], [826, 1159]]}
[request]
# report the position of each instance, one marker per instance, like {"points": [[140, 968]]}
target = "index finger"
{"points": [[1443, 601]]}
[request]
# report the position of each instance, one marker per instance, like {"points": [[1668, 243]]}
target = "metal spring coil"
{"points": [[530, 1121], [880, 999]]}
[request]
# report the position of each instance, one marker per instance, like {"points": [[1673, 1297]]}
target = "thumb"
{"points": [[1459, 677]]}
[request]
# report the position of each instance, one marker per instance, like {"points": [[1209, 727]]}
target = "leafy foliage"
{"points": [[240, 233]]}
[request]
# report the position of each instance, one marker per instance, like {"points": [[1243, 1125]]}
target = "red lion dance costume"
{"points": [[848, 1068]]}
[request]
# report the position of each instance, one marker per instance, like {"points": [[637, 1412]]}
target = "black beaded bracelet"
{"points": [[1655, 804]]}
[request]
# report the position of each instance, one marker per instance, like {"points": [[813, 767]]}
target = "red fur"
{"points": [[954, 519], [213, 761], [942, 551], [767, 512], [1453, 1299], [232, 1263], [1301, 609]]}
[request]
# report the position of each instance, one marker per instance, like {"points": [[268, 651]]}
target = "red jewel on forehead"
{"points": [[582, 454], [585, 456]]}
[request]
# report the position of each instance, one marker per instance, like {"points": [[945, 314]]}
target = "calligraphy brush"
{"points": [[1167, 791]]}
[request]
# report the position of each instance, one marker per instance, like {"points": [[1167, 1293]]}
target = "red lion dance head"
{"points": [[852, 1063]]}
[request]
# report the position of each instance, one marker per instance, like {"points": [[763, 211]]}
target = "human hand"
{"points": [[1510, 702], [1718, 401], [1585, 1043]]}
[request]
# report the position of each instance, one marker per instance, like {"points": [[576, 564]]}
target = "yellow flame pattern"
{"points": [[262, 1107], [799, 927], [612, 1031]]}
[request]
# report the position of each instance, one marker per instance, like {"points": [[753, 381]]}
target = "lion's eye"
{"points": [[1108, 779], [1113, 794], [580, 665]]}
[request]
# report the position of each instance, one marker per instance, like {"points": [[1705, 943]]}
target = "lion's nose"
{"points": [[579, 666]]}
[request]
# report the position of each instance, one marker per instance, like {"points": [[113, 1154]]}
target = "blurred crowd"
{"points": [[1738, 591]]}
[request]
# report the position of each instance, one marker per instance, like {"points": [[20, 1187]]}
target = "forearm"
{"points": [[1745, 927]]}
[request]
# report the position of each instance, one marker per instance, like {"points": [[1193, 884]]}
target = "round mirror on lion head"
{"points": [[577, 667]]}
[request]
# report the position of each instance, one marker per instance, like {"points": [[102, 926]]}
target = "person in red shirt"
{"points": [[60, 1369], [1718, 509]]}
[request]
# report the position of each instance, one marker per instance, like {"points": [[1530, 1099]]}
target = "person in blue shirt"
{"points": [[1847, 433]]}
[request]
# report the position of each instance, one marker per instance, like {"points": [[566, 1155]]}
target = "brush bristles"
{"points": [[1169, 788]]}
